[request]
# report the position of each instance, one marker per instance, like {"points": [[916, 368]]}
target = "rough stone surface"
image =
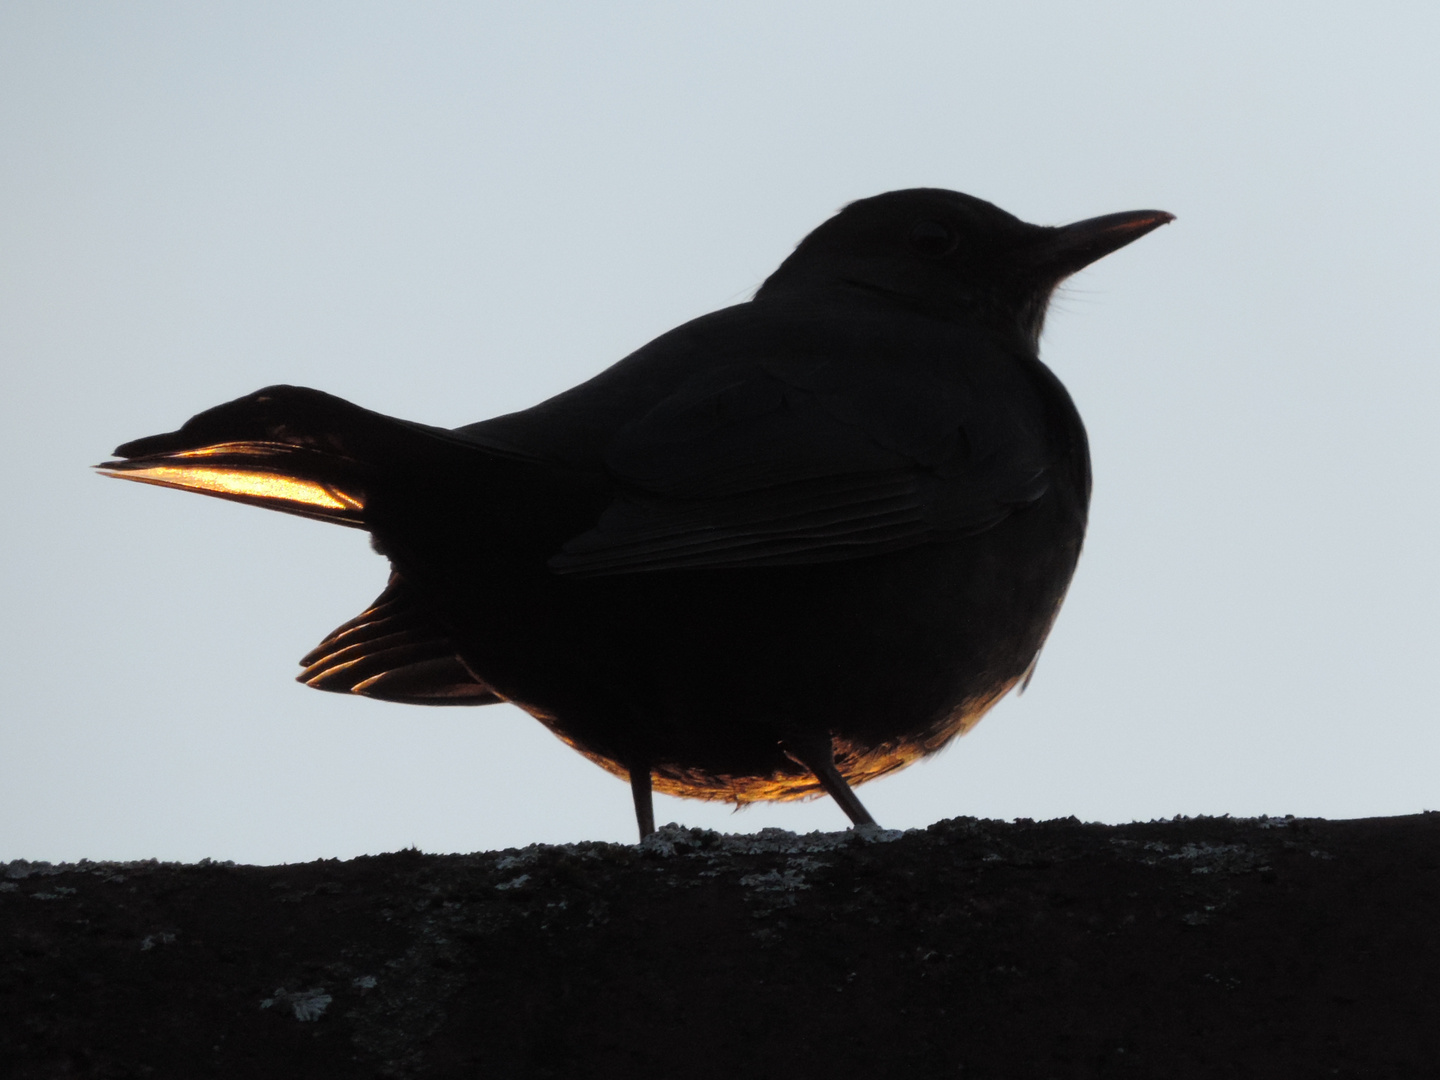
{"points": [[1206, 947]]}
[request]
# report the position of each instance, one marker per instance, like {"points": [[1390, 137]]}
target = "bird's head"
{"points": [[952, 256]]}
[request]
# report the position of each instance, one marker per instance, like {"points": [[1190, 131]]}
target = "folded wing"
{"points": [[748, 467]]}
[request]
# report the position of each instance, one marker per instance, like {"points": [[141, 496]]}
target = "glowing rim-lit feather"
{"points": [[222, 470]]}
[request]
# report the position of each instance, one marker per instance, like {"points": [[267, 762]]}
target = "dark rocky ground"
{"points": [[1203, 947]]}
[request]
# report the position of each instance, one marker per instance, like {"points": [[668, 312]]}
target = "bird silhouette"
{"points": [[785, 548]]}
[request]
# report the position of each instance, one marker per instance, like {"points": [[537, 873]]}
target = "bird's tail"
{"points": [[285, 448], [304, 452]]}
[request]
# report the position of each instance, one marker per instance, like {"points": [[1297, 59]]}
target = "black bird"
{"points": [[789, 546]]}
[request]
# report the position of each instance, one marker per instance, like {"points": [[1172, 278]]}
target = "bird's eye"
{"points": [[931, 237]]}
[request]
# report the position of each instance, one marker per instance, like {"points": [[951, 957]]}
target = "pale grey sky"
{"points": [[451, 211]]}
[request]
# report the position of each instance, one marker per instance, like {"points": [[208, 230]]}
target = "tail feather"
{"points": [[273, 475], [308, 453], [285, 448]]}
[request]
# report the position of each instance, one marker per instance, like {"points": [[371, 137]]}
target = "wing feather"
{"points": [[394, 651], [745, 468]]}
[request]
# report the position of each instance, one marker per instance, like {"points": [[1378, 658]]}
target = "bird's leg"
{"points": [[644, 806], [818, 755]]}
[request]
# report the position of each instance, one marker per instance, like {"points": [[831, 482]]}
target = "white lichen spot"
{"points": [[775, 881], [1213, 858], [524, 858], [307, 1005], [57, 892], [1269, 821], [672, 839]]}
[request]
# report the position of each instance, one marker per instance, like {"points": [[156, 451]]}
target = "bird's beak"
{"points": [[1062, 251]]}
